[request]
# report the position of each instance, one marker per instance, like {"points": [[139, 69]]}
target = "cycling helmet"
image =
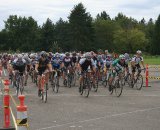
{"points": [[32, 56], [106, 51], [25, 56], [67, 54], [139, 52], [57, 55], [43, 54], [88, 55], [99, 57], [121, 57], [19, 56], [126, 55]]}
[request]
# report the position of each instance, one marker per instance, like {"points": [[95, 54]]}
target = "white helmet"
{"points": [[20, 56], [139, 52]]}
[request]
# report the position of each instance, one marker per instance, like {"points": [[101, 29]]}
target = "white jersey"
{"points": [[137, 60]]}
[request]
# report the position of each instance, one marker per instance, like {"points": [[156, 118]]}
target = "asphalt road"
{"points": [[68, 110]]}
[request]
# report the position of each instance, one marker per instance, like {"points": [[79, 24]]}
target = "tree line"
{"points": [[81, 32]]}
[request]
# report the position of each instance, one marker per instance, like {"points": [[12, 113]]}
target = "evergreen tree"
{"points": [[156, 40], [81, 29], [47, 35]]}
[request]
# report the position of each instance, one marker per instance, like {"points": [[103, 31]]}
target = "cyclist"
{"points": [[135, 63], [33, 64], [116, 67], [18, 65], [84, 64], [56, 64], [28, 67], [66, 65], [43, 66]]}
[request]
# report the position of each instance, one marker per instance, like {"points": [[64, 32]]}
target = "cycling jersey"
{"points": [[19, 64], [67, 61], [56, 62], [86, 63], [137, 60], [118, 65], [42, 65]]}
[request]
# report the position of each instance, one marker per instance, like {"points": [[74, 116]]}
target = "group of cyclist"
{"points": [[48, 63]]}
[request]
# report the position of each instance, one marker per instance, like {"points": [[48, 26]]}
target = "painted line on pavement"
{"points": [[14, 102], [99, 118], [13, 117]]}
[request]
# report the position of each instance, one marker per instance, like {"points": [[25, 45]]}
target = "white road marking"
{"points": [[14, 120], [99, 118]]}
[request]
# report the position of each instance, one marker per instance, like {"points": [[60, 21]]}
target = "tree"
{"points": [[81, 29], [156, 41], [104, 31], [125, 22], [21, 32], [62, 34], [103, 15], [130, 41], [47, 35], [149, 31]]}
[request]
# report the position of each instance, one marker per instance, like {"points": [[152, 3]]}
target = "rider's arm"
{"points": [[142, 62]]}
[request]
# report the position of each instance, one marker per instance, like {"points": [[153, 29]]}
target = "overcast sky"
{"points": [[40, 10]]}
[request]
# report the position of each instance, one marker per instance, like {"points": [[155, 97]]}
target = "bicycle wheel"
{"points": [[69, 80], [128, 80], [81, 89], [139, 82], [104, 83], [86, 89], [95, 86], [17, 89], [74, 79], [21, 87], [45, 94], [56, 85], [118, 87]]}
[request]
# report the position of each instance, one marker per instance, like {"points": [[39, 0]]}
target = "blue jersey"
{"points": [[56, 62]]}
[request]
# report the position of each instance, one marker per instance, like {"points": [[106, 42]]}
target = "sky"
{"points": [[40, 10]]}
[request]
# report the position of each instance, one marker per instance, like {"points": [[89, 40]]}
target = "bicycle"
{"points": [[70, 78], [138, 81], [128, 79], [19, 79], [85, 87], [94, 85], [44, 86], [55, 81], [106, 78], [117, 84]]}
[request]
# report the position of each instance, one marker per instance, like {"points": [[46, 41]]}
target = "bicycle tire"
{"points": [[118, 87], [139, 78], [17, 90], [21, 87], [56, 85], [69, 81], [96, 86], [45, 94], [81, 89], [86, 90], [128, 80], [111, 92]]}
